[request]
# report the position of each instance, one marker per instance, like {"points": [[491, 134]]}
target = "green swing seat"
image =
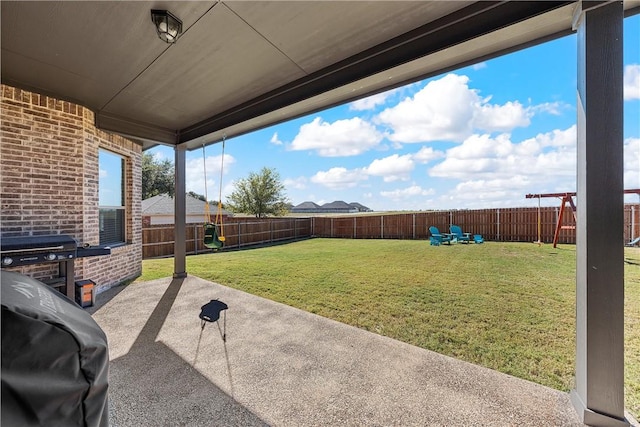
{"points": [[211, 238]]}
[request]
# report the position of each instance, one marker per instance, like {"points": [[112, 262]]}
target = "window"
{"points": [[111, 198]]}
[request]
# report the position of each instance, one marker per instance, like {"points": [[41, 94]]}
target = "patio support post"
{"points": [[180, 220], [598, 396]]}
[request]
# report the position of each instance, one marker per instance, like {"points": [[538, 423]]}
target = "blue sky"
{"points": [[479, 137]]}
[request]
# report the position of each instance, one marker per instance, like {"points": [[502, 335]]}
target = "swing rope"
{"points": [[219, 212], [212, 238], [207, 213]]}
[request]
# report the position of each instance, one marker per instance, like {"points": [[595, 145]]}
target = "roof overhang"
{"points": [[245, 65]]}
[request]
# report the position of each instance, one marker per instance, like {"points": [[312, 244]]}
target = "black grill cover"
{"points": [[55, 358]]}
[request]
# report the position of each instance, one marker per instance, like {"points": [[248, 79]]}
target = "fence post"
{"points": [[331, 227], [633, 223], [354, 227], [450, 218], [382, 226], [498, 224], [195, 239], [414, 226], [239, 235]]}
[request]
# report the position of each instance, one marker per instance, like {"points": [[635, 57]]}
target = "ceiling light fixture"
{"points": [[167, 25]]}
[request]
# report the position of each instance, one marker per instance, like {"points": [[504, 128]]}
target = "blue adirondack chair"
{"points": [[458, 235], [437, 238]]}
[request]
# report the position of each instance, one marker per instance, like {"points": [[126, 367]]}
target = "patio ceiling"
{"points": [[244, 65]]}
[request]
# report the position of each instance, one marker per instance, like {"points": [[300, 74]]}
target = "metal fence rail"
{"points": [[503, 225]]}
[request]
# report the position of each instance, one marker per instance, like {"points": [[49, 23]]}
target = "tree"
{"points": [[260, 194], [196, 196], [157, 176]]}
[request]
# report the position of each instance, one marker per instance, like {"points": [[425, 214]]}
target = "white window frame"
{"points": [[116, 213]]}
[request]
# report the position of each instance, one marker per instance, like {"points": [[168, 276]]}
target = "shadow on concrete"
{"points": [[210, 313], [272, 364], [104, 297], [152, 385]]}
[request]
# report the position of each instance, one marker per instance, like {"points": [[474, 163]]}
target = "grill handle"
{"points": [[50, 248]]}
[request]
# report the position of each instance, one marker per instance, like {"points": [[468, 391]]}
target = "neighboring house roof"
{"points": [[147, 204], [338, 204], [306, 205], [361, 208], [163, 204]]}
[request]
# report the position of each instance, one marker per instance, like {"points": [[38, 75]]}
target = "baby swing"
{"points": [[213, 231]]}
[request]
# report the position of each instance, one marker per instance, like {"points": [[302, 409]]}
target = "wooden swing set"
{"points": [[566, 198]]}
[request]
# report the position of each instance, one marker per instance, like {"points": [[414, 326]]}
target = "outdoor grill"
{"points": [[60, 248], [27, 250]]}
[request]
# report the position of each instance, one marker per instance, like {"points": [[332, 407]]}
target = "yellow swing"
{"points": [[213, 232]]}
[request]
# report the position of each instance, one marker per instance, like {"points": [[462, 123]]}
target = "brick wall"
{"points": [[49, 182]]}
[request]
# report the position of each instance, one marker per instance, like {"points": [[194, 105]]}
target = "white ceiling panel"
{"points": [[243, 65]]}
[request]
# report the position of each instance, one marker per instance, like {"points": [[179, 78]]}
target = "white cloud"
{"points": [[485, 193], [447, 109], [480, 194], [348, 137], [392, 168], [550, 154], [631, 82], [371, 102], [556, 138], [479, 66], [492, 190], [632, 163], [195, 171], [427, 154], [227, 188], [299, 183], [486, 171], [274, 139], [501, 118], [339, 178], [551, 168], [553, 108], [442, 110], [408, 193], [159, 156]]}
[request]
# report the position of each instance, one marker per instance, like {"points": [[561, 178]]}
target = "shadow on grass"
{"points": [[253, 246]]}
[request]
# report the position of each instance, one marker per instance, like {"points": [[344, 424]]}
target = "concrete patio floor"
{"points": [[282, 366]]}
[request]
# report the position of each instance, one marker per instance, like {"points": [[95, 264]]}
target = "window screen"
{"points": [[111, 198]]}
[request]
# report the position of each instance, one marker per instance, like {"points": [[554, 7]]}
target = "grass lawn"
{"points": [[506, 306]]}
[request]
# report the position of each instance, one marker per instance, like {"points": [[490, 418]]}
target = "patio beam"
{"points": [[180, 212], [598, 396]]}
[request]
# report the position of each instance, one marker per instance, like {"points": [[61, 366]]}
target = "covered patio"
{"points": [[242, 66], [265, 363]]}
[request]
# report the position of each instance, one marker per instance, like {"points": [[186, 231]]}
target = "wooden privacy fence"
{"points": [[158, 240], [503, 225]]}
